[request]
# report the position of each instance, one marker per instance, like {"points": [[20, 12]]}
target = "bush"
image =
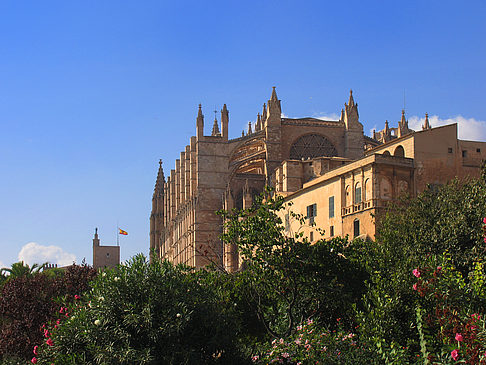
{"points": [[145, 314], [29, 301]]}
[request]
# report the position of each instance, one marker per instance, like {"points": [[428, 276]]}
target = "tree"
{"points": [[416, 233], [19, 269], [287, 279]]}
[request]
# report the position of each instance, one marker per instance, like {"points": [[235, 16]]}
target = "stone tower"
{"points": [[157, 215], [104, 256]]}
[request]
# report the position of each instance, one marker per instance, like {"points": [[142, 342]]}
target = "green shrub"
{"points": [[143, 313]]}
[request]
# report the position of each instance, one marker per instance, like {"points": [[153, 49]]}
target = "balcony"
{"points": [[355, 208]]}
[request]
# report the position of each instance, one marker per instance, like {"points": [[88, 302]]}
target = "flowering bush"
{"points": [[142, 313], [29, 301], [311, 344], [453, 314]]}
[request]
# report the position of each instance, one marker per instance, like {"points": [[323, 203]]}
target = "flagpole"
{"points": [[117, 234]]}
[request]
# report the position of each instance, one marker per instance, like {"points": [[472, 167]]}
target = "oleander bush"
{"points": [[29, 300], [141, 313]]}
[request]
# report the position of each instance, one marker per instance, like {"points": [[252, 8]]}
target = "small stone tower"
{"points": [[157, 215], [104, 256], [353, 137]]}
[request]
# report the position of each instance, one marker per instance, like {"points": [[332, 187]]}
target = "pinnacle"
{"points": [[274, 94], [351, 100], [215, 131]]}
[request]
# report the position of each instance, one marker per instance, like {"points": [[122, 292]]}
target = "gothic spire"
{"points": [[249, 128], [199, 113], [274, 94], [200, 123], [258, 125], [215, 131], [403, 120], [426, 124], [159, 184], [351, 100]]}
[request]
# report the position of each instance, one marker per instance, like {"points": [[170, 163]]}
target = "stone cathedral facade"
{"points": [[312, 162]]}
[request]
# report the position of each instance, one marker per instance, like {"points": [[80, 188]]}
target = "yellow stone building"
{"points": [[332, 173]]}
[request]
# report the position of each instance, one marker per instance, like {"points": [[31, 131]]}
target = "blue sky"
{"points": [[93, 93]]}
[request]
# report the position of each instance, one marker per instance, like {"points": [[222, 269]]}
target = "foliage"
{"points": [[311, 344], [412, 234], [28, 301], [451, 313], [143, 313], [287, 279], [20, 269]]}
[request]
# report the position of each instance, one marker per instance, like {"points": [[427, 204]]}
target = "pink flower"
{"points": [[281, 341], [459, 337], [77, 297], [298, 341], [414, 286], [58, 321], [455, 354], [416, 273], [46, 333], [34, 360], [255, 358], [439, 268], [35, 350], [286, 355], [310, 321], [49, 342], [484, 220]]}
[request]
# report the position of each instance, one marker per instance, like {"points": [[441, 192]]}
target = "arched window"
{"points": [[357, 193], [310, 146], [367, 190], [399, 152], [347, 197], [386, 153], [356, 228], [385, 189]]}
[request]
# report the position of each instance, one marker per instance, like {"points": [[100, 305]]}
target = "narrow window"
{"points": [[312, 236], [331, 231], [357, 194], [287, 222], [449, 150], [478, 150], [464, 153], [356, 228], [311, 210], [331, 207]]}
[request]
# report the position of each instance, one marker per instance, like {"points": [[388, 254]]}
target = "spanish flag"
{"points": [[121, 231]]}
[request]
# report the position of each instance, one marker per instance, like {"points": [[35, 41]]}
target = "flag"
{"points": [[121, 231]]}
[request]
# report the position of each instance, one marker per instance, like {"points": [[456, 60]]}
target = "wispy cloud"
{"points": [[468, 128], [34, 253], [326, 116]]}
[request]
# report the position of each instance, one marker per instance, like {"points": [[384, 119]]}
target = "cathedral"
{"points": [[334, 175]]}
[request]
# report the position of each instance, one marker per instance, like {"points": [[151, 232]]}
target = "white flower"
{"points": [[116, 278], [97, 322], [101, 298], [178, 315]]}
